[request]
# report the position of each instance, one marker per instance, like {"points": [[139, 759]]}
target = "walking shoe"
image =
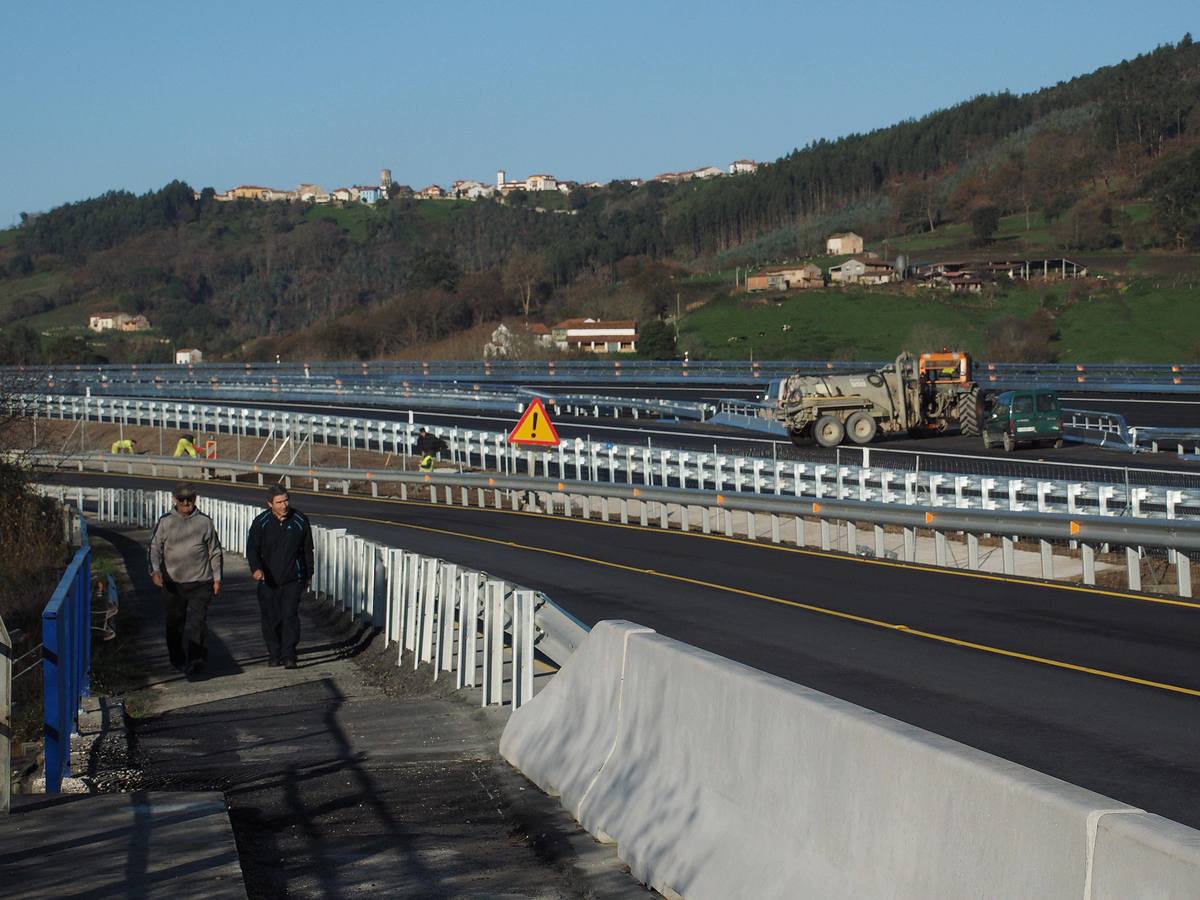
{"points": [[290, 664]]}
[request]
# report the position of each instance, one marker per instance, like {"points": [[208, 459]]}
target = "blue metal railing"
{"points": [[66, 660]]}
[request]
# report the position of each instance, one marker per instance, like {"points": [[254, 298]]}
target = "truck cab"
{"points": [[1031, 416]]}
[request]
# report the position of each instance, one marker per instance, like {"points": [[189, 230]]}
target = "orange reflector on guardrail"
{"points": [[1076, 527], [929, 517], [816, 508]]}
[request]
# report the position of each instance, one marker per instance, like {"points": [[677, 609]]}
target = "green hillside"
{"points": [[1104, 168]]}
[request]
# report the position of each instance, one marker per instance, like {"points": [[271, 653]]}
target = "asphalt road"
{"points": [[1096, 688]]}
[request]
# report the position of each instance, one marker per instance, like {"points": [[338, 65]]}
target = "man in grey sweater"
{"points": [[186, 560]]}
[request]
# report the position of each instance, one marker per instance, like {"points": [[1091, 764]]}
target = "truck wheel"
{"points": [[861, 427], [829, 431], [1009, 443], [968, 410]]}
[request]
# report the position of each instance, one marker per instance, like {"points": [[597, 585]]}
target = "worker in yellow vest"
{"points": [[186, 446], [124, 445]]}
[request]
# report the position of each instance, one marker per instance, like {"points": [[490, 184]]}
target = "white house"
{"points": [[743, 167], [104, 321], [595, 336], [863, 271], [845, 242], [541, 183], [188, 357]]}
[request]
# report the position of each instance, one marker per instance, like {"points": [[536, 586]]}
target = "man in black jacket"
{"points": [[279, 549]]}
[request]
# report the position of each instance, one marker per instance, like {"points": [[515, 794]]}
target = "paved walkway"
{"points": [[347, 776]]}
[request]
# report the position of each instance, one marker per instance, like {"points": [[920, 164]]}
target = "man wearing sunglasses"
{"points": [[186, 560]]}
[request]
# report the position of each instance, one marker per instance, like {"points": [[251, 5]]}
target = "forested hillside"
{"points": [[249, 278]]}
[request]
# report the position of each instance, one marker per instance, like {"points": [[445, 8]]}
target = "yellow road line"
{"points": [[777, 548], [809, 607], [820, 610]]}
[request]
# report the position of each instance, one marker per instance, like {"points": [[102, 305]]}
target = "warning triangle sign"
{"points": [[534, 427]]}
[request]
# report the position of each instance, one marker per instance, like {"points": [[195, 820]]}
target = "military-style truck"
{"points": [[929, 394]]}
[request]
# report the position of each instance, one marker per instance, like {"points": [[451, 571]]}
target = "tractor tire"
{"points": [[969, 410], [861, 427], [829, 431]]}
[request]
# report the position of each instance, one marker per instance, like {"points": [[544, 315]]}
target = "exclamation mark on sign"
{"points": [[533, 432]]}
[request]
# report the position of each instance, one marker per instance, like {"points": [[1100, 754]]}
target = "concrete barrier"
{"points": [[563, 740], [1145, 856], [724, 781]]}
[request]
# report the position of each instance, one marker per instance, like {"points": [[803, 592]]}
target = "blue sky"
{"points": [[130, 95]]}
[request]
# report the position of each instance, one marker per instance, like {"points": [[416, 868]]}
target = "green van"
{"points": [[1029, 416]]}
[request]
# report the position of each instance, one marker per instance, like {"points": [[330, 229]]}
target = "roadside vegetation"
{"points": [[1104, 168]]}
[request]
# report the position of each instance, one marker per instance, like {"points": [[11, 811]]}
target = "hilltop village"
{"points": [[463, 189]]}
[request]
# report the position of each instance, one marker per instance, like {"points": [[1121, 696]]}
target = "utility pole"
{"points": [[677, 317]]}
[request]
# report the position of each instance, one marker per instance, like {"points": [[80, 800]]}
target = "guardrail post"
{"points": [[493, 643], [973, 552], [851, 538], [426, 610], [880, 548], [468, 625], [1088, 552], [522, 658], [1010, 563], [910, 544], [939, 547], [1183, 573], [1133, 565], [1014, 488], [825, 540], [1047, 560], [446, 604], [412, 590]]}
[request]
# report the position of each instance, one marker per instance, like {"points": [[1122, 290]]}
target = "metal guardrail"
{"points": [[66, 659], [1072, 374], [423, 604], [713, 511], [863, 473]]}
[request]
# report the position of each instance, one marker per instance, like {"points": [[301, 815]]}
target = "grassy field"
{"points": [[351, 218], [1138, 324]]}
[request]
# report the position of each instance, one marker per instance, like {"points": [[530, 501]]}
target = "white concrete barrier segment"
{"points": [[724, 781], [562, 738], [1145, 856]]}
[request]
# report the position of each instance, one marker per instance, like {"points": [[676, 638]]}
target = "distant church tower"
{"points": [[385, 178], [500, 178]]}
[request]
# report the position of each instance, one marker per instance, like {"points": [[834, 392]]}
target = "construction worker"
{"points": [[186, 446], [428, 447], [124, 445]]}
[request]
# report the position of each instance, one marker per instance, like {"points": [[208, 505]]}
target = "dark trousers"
{"points": [[187, 620], [280, 610]]}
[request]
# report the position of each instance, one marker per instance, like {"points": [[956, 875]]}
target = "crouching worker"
{"points": [[429, 447], [125, 445], [186, 446], [279, 549]]}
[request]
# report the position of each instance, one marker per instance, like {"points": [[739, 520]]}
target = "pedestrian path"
{"points": [[348, 774]]}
